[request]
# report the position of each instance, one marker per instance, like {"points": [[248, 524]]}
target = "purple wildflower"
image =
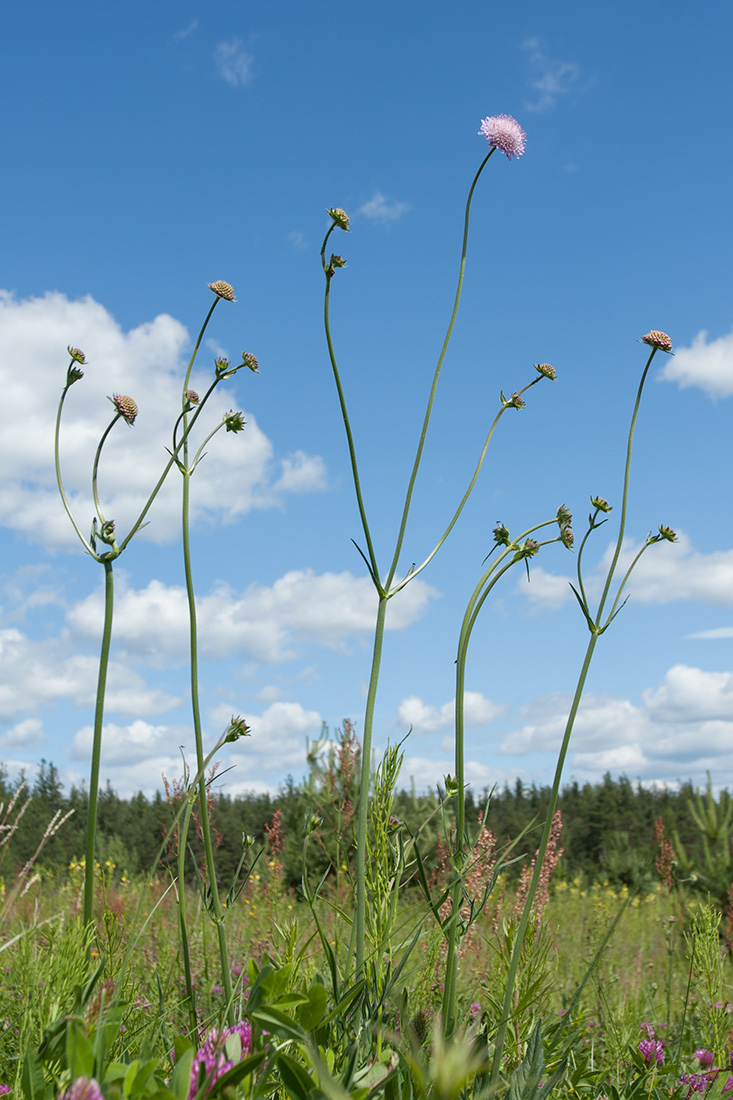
{"points": [[698, 1082], [505, 133], [704, 1057], [84, 1088], [4, 1090], [728, 1085], [648, 1030], [474, 1010], [652, 1050], [212, 1056]]}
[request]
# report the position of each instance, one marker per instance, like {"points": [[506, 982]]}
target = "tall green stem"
{"points": [[596, 629], [436, 376], [362, 824], [109, 597], [200, 756]]}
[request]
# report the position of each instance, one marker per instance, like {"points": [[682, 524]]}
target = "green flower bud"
{"points": [[234, 421], [340, 217], [237, 728], [601, 504]]}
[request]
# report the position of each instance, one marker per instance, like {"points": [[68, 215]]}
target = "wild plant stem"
{"points": [[109, 596], [200, 756], [362, 824], [595, 633], [436, 376]]}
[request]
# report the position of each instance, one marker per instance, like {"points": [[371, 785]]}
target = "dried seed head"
{"points": [[223, 290], [546, 371], [250, 361], [601, 504], [656, 339], [192, 397], [125, 406], [77, 354], [340, 217]]}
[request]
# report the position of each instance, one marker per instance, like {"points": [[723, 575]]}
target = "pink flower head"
{"points": [[728, 1085], [652, 1050], [704, 1057], [505, 133], [84, 1088]]}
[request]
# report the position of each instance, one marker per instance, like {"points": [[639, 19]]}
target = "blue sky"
{"points": [[155, 148]]}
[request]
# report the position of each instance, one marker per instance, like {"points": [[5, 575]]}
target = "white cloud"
{"points": [[149, 363], [36, 674], [28, 732], [234, 63], [703, 364], [301, 473], [477, 711], [681, 728], [718, 632], [261, 622], [666, 572], [548, 79], [184, 32], [381, 209]]}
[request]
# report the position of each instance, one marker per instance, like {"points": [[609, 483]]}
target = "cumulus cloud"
{"points": [[36, 674], [262, 622], [707, 364], [684, 726], [477, 711], [148, 362], [381, 209], [666, 572], [234, 63], [548, 79]]}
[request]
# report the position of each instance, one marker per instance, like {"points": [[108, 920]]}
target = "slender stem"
{"points": [[436, 376], [97, 742], [480, 593], [366, 750], [195, 706], [182, 923], [625, 500], [374, 568], [524, 920], [59, 482], [414, 572], [95, 466]]}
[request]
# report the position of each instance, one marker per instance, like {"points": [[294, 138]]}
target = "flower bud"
{"points": [[234, 421], [546, 371], [564, 515], [192, 397], [314, 822], [501, 535], [77, 355], [223, 290], [567, 537], [340, 217], [250, 360], [107, 532], [601, 504], [237, 728], [668, 534], [336, 261], [656, 339], [452, 787], [125, 406]]}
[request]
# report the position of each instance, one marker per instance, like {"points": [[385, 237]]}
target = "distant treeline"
{"points": [[608, 827]]}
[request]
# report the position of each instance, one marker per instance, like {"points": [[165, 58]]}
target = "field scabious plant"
{"points": [[369, 1000]]}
